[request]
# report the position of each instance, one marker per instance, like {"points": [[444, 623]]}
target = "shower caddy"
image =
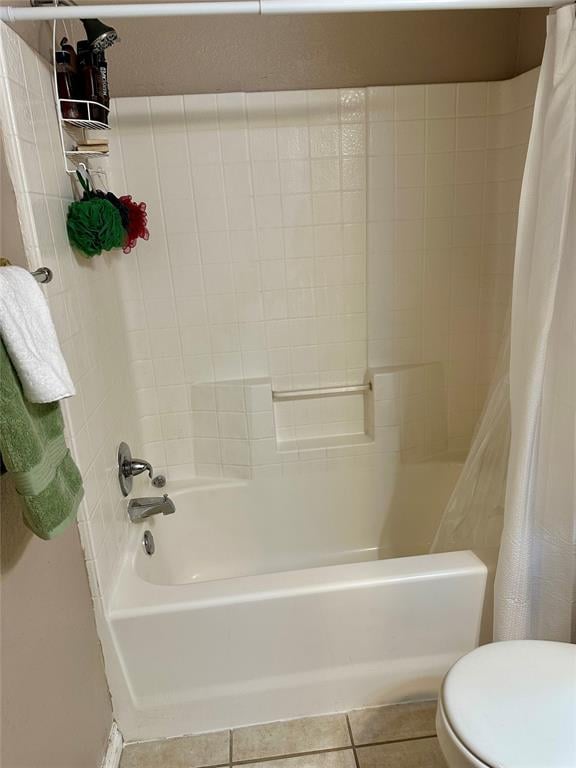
{"points": [[75, 127]]}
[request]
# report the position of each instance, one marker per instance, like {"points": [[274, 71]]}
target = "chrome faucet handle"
{"points": [[129, 468], [136, 467]]}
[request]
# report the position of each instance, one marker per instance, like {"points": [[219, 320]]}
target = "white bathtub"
{"points": [[276, 599]]}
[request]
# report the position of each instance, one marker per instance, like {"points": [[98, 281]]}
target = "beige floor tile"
{"points": [[393, 723], [343, 758], [290, 737], [207, 749], [422, 753]]}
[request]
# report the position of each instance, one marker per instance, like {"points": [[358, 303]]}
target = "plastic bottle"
{"points": [[89, 78], [69, 108], [104, 91]]}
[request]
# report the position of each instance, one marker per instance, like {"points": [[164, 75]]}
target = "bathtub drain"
{"points": [[148, 543]]}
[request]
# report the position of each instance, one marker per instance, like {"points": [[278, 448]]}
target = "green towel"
{"points": [[35, 453]]}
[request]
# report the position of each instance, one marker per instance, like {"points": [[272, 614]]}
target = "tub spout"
{"points": [[140, 509]]}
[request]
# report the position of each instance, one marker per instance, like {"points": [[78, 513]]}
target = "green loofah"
{"points": [[95, 225]]}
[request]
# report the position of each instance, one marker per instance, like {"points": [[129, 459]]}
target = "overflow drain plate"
{"points": [[148, 543]]}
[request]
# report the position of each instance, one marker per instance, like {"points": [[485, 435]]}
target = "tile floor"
{"points": [[397, 736]]}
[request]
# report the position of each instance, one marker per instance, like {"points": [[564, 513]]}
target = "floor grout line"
{"points": [[231, 746], [291, 754], [396, 741], [356, 760], [311, 752]]}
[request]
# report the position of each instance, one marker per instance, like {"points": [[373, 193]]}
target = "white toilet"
{"points": [[510, 705]]}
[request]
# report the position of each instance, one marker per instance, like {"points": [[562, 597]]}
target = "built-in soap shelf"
{"points": [[240, 431]]}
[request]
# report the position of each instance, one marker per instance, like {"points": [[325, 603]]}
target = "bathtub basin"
{"points": [[291, 597]]}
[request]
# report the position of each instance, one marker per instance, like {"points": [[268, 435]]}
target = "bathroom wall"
{"points": [[84, 301], [531, 38], [274, 53], [56, 709], [256, 268], [312, 51], [36, 34], [59, 716]]}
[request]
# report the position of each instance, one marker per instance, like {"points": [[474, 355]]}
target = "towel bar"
{"points": [[42, 275]]}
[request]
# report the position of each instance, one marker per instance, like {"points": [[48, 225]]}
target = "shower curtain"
{"points": [[474, 515], [535, 589], [518, 486]]}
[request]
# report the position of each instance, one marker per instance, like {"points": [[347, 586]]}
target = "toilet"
{"points": [[510, 705]]}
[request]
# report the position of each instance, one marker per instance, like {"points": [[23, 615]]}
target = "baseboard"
{"points": [[114, 748]]}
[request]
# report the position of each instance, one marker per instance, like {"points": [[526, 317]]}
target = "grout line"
{"points": [[290, 754], [230, 745], [351, 746], [396, 741], [352, 742], [170, 738]]}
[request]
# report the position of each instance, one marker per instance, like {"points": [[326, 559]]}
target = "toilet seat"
{"points": [[454, 751], [510, 705]]}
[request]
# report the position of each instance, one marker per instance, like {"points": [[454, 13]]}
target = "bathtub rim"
{"points": [[134, 596]]}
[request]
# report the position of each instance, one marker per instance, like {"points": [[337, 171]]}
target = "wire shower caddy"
{"points": [[76, 128]]}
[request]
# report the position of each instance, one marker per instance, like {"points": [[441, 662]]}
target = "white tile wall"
{"points": [[256, 263], [260, 205], [238, 428], [84, 301], [444, 172]]}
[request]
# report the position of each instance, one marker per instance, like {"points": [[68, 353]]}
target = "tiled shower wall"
{"points": [[258, 265], [85, 305], [445, 166]]}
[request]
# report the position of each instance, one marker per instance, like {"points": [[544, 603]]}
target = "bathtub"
{"points": [[274, 599]]}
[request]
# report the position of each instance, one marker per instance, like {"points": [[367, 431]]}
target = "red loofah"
{"points": [[137, 221]]}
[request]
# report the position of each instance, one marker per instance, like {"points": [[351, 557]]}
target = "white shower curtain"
{"points": [[535, 591], [474, 514]]}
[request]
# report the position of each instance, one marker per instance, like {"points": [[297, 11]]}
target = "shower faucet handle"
{"points": [[129, 468], [136, 467]]}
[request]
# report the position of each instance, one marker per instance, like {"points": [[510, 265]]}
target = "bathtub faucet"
{"points": [[140, 509], [129, 468]]}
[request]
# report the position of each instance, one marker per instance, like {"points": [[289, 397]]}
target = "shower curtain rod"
{"points": [[257, 7]]}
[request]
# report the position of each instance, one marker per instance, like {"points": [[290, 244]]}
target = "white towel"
{"points": [[30, 338]]}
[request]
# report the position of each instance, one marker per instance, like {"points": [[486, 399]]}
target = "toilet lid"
{"points": [[513, 704]]}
